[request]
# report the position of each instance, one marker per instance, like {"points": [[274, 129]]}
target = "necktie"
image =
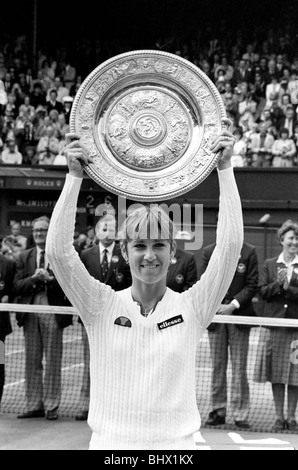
{"points": [[41, 259], [104, 265]]}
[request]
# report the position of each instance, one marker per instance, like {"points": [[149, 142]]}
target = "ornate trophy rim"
{"points": [[148, 117]]}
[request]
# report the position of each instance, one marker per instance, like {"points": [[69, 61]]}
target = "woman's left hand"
{"points": [[224, 143]]}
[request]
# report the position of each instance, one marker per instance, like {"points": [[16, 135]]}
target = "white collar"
{"points": [[109, 248], [281, 259], [39, 250]]}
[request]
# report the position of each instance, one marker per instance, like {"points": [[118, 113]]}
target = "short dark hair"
{"points": [[286, 227], [283, 130]]}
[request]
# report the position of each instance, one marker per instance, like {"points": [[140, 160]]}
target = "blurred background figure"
{"points": [[233, 338], [104, 261], [278, 289], [7, 272], [239, 149]]}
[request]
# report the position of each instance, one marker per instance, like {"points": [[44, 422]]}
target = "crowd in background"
{"points": [[256, 73]]}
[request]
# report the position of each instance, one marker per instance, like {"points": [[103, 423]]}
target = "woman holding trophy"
{"points": [[143, 340]]}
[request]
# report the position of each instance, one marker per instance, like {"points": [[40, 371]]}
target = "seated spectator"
{"points": [[230, 101], [3, 94], [271, 71], [30, 157], [220, 81], [37, 97], [69, 74], [47, 72], [275, 113], [241, 74], [10, 154], [285, 101], [247, 106], [293, 84], [23, 131], [41, 122], [19, 239], [76, 86], [261, 147], [10, 248], [289, 120], [27, 108], [259, 87], [62, 126], [239, 150], [67, 105], [10, 114], [54, 116], [283, 150], [53, 102], [47, 147], [60, 89], [272, 91]]}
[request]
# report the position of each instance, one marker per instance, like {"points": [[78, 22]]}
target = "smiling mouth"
{"points": [[149, 267]]}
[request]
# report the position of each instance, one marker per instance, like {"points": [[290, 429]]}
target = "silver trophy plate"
{"points": [[148, 118]]}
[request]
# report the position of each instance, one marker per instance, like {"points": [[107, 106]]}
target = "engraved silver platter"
{"points": [[148, 117]]}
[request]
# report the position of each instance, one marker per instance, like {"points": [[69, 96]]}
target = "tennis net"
{"points": [[263, 333]]}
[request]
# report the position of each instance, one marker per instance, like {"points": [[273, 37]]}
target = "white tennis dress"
{"points": [[143, 369]]}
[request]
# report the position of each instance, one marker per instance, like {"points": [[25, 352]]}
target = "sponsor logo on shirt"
{"points": [[170, 322], [123, 321]]}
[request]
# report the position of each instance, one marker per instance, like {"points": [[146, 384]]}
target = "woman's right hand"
{"points": [[76, 155], [224, 143]]}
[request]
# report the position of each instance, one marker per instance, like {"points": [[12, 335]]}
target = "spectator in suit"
{"points": [[69, 74], [37, 96], [278, 288], [182, 273], [16, 233], [261, 147], [225, 337], [7, 272], [48, 147], [283, 150], [241, 74], [35, 283], [114, 272], [10, 154], [288, 121], [53, 102]]}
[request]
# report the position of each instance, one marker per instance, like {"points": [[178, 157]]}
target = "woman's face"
{"points": [[290, 243], [149, 260]]}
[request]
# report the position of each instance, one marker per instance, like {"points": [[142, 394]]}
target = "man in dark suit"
{"points": [[288, 121], [7, 272], [53, 102], [35, 283], [241, 74], [182, 273], [222, 337], [104, 262]]}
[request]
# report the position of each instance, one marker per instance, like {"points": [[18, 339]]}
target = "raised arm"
{"points": [[207, 294], [85, 293]]}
